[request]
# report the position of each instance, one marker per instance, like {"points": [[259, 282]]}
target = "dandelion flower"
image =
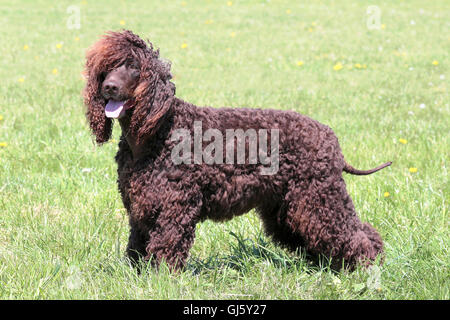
{"points": [[229, 3], [413, 170], [77, 38], [3, 144], [184, 45], [209, 21], [358, 66], [310, 29], [21, 80], [435, 63], [233, 34], [59, 46], [403, 141], [26, 47], [337, 66], [122, 22], [383, 26], [1, 117], [386, 194], [300, 63], [288, 11], [55, 71], [183, 3], [313, 24], [36, 58]]}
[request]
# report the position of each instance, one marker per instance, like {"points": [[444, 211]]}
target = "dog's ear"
{"points": [[100, 125], [154, 97]]}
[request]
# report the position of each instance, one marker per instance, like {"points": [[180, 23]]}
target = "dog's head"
{"points": [[126, 78]]}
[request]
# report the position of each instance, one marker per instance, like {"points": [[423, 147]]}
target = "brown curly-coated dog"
{"points": [[303, 202]]}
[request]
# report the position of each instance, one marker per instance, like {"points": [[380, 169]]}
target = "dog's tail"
{"points": [[349, 169]]}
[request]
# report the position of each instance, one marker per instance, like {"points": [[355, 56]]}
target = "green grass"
{"points": [[63, 228]]}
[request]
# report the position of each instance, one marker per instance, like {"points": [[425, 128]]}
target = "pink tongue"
{"points": [[114, 109]]}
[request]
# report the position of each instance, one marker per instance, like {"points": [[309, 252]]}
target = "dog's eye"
{"points": [[102, 76], [134, 72]]}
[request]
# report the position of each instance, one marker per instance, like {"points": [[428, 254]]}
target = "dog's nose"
{"points": [[110, 87]]}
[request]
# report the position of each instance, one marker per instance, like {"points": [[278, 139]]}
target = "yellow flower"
{"points": [[183, 3], [184, 45], [59, 46], [233, 34], [21, 79], [1, 117], [386, 194], [358, 66], [26, 47], [435, 63], [413, 170], [313, 24], [383, 26], [122, 22], [337, 67], [55, 71], [300, 63], [229, 3], [36, 58], [209, 21], [310, 29], [228, 49], [3, 144], [77, 38], [403, 141], [364, 66], [288, 11], [84, 2]]}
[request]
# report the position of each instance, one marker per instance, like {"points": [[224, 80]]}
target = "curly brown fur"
{"points": [[303, 205]]}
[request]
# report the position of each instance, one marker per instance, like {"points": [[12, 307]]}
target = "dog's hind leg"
{"points": [[326, 218]]}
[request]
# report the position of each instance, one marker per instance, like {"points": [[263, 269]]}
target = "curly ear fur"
{"points": [[153, 95], [100, 125]]}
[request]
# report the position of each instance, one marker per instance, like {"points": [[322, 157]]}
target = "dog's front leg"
{"points": [[173, 234]]}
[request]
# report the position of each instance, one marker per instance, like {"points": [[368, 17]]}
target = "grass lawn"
{"points": [[382, 85]]}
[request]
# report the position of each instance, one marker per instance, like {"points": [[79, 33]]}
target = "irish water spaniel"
{"points": [[179, 164]]}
